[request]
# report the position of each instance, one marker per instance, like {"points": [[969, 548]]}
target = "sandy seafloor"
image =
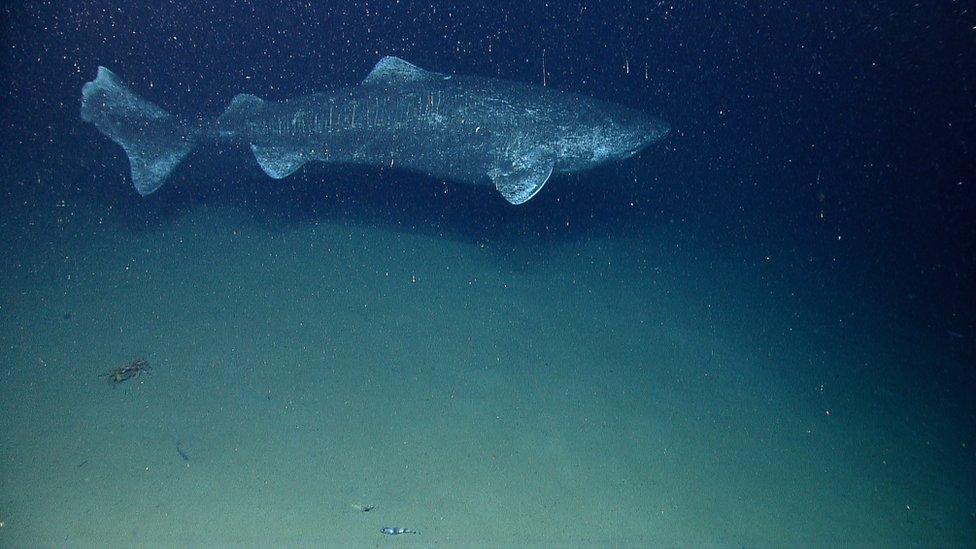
{"points": [[625, 390]]}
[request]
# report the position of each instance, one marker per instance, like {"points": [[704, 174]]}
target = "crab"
{"points": [[128, 371]]}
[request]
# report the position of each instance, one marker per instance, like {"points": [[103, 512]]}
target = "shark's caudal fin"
{"points": [[154, 140]]}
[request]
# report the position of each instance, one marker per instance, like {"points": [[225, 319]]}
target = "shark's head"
{"points": [[609, 133], [629, 131]]}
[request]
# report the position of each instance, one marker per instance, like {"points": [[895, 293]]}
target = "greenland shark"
{"points": [[462, 128]]}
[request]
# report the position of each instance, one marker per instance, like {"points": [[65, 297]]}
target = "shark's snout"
{"points": [[642, 132], [658, 129]]}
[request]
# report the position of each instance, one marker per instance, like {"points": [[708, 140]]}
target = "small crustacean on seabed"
{"points": [[396, 531], [128, 371]]}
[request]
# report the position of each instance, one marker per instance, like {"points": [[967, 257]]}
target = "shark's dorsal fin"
{"points": [[245, 104], [523, 180], [242, 107], [393, 70]]}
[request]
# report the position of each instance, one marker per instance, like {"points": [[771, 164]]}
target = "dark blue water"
{"points": [[838, 133], [819, 171]]}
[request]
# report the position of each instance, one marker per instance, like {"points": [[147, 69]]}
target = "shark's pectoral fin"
{"points": [[522, 181], [278, 162]]}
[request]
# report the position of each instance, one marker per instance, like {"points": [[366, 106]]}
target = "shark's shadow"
{"points": [[618, 200]]}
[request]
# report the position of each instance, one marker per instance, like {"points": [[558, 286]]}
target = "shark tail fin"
{"points": [[154, 140]]}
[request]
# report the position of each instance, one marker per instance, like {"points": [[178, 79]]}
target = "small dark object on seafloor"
{"points": [[182, 452], [394, 531], [82, 464], [128, 371]]}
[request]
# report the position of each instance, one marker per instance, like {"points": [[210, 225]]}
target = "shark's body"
{"points": [[468, 129]]}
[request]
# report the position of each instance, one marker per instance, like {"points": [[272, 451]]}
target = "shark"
{"points": [[468, 129]]}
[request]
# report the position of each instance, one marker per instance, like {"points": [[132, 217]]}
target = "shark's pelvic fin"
{"points": [[278, 162], [393, 70]]}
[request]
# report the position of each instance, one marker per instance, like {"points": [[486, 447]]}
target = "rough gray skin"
{"points": [[468, 129]]}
